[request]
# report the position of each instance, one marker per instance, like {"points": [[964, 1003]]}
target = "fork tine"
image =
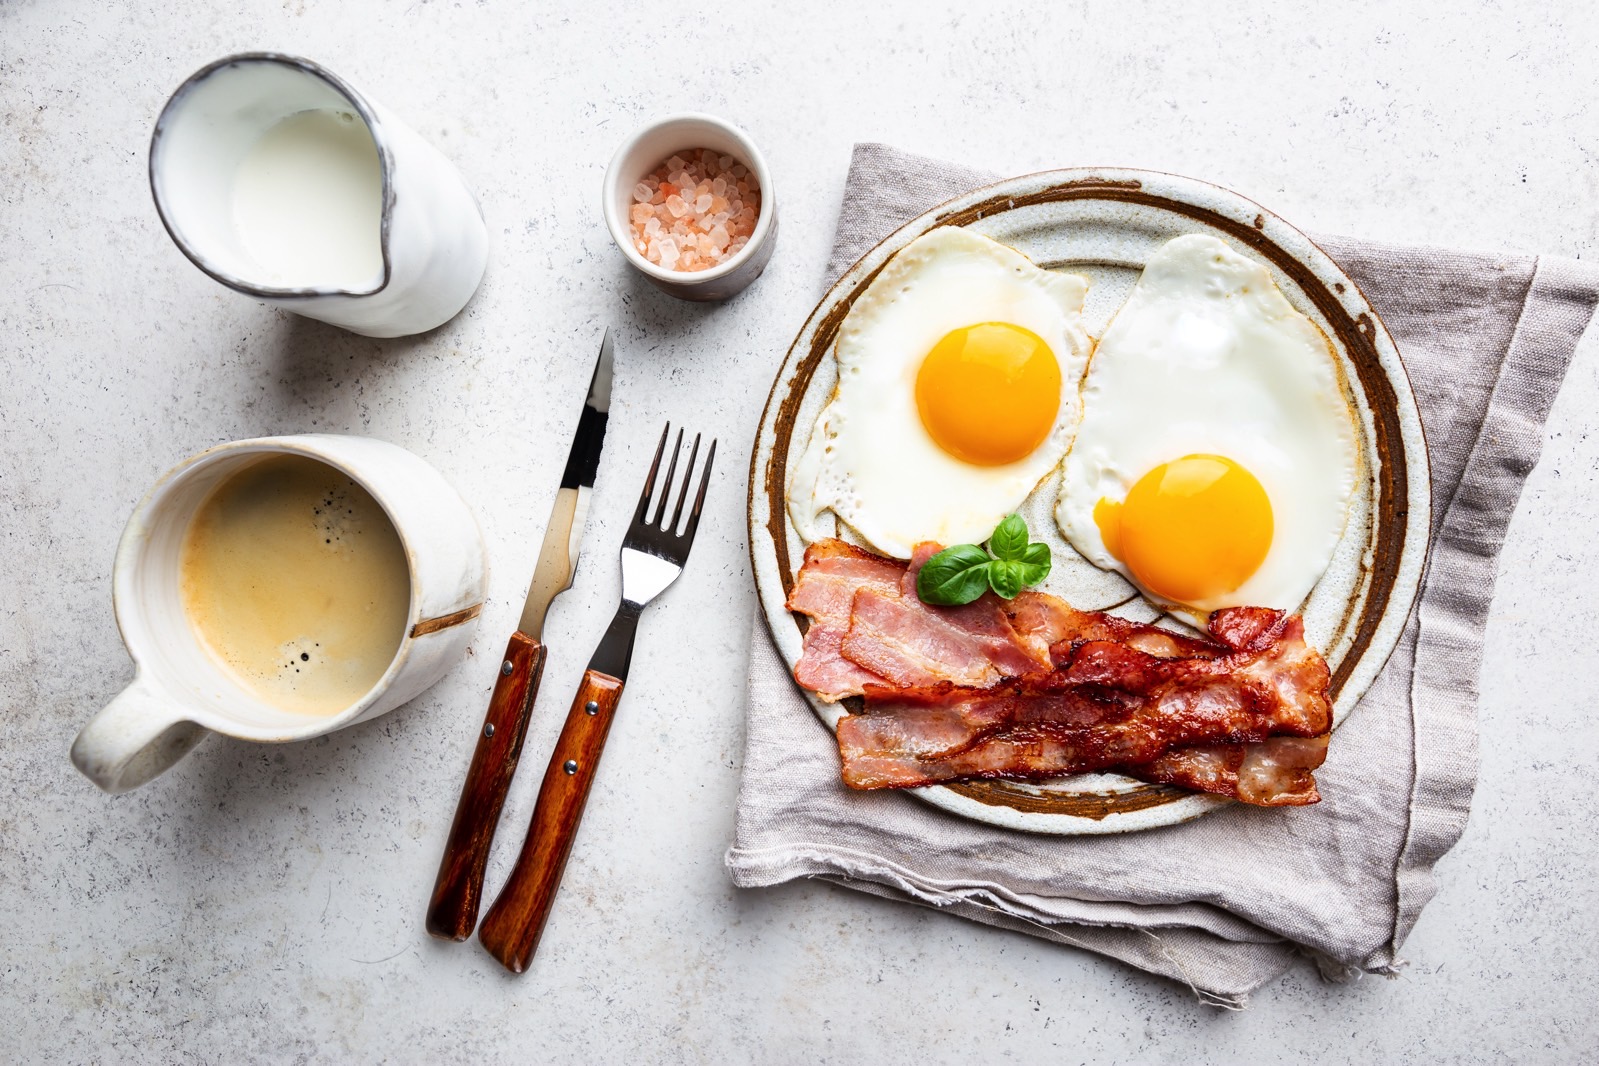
{"points": [[649, 481], [699, 498], [688, 476], [666, 486]]}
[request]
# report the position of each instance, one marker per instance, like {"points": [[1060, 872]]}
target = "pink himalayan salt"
{"points": [[695, 210]]}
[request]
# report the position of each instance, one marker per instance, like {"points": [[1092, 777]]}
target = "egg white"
{"points": [[870, 460], [1208, 357]]}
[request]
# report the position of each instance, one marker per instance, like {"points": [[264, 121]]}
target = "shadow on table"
{"points": [[316, 362], [659, 317], [236, 784]]}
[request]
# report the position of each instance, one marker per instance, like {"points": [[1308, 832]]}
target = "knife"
{"points": [[452, 912]]}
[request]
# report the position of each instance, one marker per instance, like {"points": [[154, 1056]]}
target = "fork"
{"points": [[652, 556]]}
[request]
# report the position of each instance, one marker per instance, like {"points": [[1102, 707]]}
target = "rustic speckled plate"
{"points": [[1105, 224]]}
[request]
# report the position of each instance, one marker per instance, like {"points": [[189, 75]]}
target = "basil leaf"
{"points": [[1005, 578], [954, 576], [1035, 564], [1009, 541]]}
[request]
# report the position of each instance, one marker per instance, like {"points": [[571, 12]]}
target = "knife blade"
{"points": [[458, 891]]}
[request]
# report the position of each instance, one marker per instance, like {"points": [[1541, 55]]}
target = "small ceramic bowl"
{"points": [[645, 150]]}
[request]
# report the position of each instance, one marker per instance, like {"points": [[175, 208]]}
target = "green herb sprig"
{"points": [[1009, 563]]}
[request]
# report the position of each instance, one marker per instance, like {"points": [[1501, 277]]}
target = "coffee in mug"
{"points": [[295, 579]]}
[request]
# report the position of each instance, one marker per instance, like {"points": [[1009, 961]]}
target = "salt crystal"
{"points": [[652, 226], [676, 205], [668, 250], [719, 186], [738, 170], [726, 162], [640, 212], [706, 246], [675, 163], [642, 192], [703, 204], [719, 236]]}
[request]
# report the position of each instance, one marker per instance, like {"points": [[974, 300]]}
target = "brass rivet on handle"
{"points": [[591, 707], [488, 729], [571, 766], [506, 668]]}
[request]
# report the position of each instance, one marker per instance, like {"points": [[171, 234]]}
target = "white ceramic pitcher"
{"points": [[433, 240]]}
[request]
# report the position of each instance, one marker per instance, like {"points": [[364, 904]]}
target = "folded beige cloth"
{"points": [[1223, 904]]}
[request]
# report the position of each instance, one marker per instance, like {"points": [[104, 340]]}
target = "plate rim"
{"points": [[1408, 511]]}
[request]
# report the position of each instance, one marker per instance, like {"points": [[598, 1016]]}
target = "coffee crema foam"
{"points": [[294, 578]]}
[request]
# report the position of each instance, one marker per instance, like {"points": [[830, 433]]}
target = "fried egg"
{"points": [[1216, 456], [958, 370]]}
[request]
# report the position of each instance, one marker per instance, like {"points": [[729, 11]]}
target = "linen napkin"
{"points": [[1225, 903]]}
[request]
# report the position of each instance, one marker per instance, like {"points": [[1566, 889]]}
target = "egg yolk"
{"points": [[1190, 530], [989, 393]]}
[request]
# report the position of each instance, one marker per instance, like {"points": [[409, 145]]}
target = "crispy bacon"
{"points": [[967, 692], [1108, 707]]}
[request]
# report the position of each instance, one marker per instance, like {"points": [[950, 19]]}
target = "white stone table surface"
{"points": [[265, 903]]}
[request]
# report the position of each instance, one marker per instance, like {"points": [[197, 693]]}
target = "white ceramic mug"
{"points": [[434, 243], [180, 691], [647, 148]]}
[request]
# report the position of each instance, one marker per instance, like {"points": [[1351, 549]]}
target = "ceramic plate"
{"points": [[1105, 224]]}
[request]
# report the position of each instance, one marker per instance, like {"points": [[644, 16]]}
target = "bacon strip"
{"points": [[1273, 773], [903, 642], [869, 627], [1109, 707], [1051, 621], [833, 572]]}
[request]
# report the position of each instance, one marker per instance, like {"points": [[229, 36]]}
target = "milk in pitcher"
{"points": [[308, 201]]}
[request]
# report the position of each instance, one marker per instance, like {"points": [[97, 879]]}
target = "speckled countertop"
{"points": [[266, 903]]}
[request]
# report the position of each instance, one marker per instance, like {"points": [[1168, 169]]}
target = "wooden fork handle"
{"points": [[513, 925], [452, 912]]}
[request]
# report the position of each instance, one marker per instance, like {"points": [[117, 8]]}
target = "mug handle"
{"points": [[136, 737]]}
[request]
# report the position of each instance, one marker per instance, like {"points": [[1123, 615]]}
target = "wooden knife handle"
{"points": [[452, 912], [513, 925]]}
